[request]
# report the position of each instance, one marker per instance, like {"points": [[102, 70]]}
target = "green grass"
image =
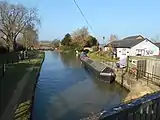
{"points": [[96, 56], [14, 73]]}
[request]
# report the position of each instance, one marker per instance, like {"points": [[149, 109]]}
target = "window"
{"points": [[149, 52], [124, 51], [140, 52]]}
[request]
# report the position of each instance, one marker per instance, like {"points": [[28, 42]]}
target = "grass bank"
{"points": [[101, 57], [17, 86]]}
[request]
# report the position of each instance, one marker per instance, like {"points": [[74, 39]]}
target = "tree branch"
{"points": [[3, 32]]}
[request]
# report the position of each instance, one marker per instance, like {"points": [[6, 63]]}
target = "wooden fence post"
{"points": [[148, 79], [137, 74], [127, 63], [152, 72]]}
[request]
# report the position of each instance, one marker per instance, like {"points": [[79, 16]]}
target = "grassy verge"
{"points": [[15, 73], [96, 56]]}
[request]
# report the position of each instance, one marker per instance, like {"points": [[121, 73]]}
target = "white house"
{"points": [[134, 46]]}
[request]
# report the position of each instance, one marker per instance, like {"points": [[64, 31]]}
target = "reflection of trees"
{"points": [[55, 54], [69, 60]]}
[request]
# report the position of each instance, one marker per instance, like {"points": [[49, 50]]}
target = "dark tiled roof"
{"points": [[127, 42], [136, 37], [157, 44]]}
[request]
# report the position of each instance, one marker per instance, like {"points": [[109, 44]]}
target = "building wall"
{"points": [[145, 48], [123, 52], [106, 48]]}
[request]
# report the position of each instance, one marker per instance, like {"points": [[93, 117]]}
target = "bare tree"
{"points": [[56, 43], [13, 20], [80, 36], [111, 45], [30, 36], [113, 37]]}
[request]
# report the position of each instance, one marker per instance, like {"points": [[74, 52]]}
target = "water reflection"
{"points": [[65, 91], [69, 60]]}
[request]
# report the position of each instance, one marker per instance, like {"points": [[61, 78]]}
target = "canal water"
{"points": [[66, 91]]}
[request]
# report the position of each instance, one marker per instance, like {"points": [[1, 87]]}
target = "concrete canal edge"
{"points": [[33, 92], [21, 103], [136, 88]]}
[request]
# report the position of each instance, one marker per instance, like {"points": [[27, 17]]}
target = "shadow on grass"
{"points": [[9, 82], [14, 74]]}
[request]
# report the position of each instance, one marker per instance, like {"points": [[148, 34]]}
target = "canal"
{"points": [[66, 91]]}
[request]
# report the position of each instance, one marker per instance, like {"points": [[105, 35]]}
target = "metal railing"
{"points": [[145, 108], [149, 77]]}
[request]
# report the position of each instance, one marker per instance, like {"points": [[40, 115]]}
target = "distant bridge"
{"points": [[88, 48], [46, 48]]}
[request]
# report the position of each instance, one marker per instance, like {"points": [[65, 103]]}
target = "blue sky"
{"points": [[120, 17]]}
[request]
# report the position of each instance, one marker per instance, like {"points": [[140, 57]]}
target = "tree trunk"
{"points": [[14, 45], [8, 48]]}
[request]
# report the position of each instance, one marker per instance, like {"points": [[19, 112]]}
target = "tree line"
{"points": [[18, 26], [76, 40]]}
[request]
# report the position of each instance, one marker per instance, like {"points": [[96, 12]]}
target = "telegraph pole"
{"points": [[103, 48]]}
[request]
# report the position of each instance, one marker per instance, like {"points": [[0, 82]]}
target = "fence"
{"points": [[145, 108], [149, 77], [7, 58], [150, 64], [11, 57], [148, 69], [153, 66]]}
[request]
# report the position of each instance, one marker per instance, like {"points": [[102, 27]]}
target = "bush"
{"points": [[72, 48], [19, 47], [95, 48], [3, 49]]}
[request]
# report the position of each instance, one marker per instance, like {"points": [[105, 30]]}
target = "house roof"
{"points": [[127, 42], [157, 44]]}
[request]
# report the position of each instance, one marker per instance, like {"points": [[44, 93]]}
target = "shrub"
{"points": [[19, 47], [95, 48], [3, 49]]}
